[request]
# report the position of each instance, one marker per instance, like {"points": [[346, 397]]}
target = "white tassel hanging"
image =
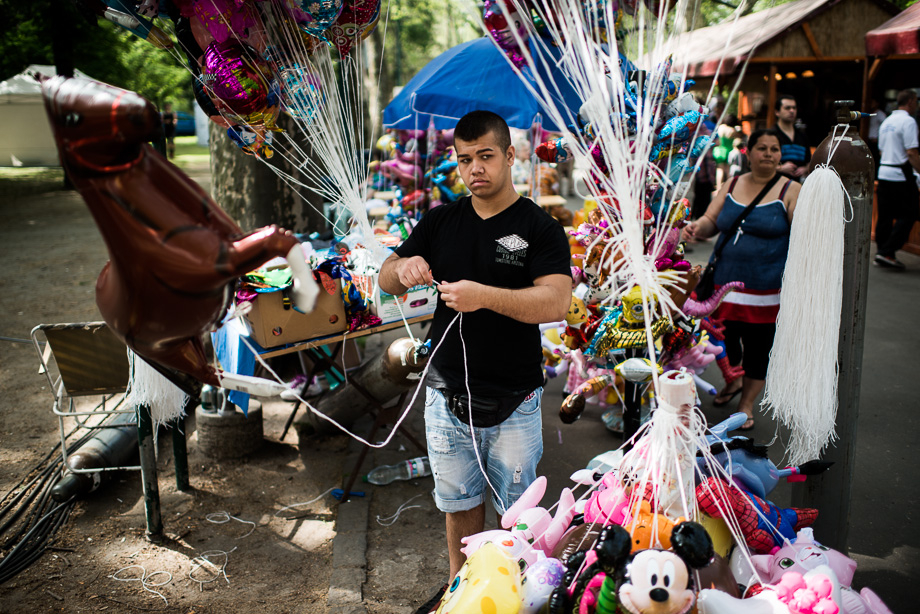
{"points": [[801, 386], [148, 387]]}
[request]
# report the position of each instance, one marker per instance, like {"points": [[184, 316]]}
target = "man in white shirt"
{"points": [[875, 122], [898, 196]]}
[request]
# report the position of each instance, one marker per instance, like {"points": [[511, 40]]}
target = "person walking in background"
{"points": [[793, 142], [875, 122], [737, 159], [170, 119], [727, 131], [500, 263], [756, 254], [703, 183], [898, 196]]}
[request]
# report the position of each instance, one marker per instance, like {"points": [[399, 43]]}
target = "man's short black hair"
{"points": [[905, 97], [780, 99], [476, 124]]}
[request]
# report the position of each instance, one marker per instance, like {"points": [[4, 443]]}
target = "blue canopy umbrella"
{"points": [[468, 77]]}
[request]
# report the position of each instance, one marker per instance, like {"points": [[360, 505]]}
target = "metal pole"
{"points": [[148, 456], [830, 491], [632, 404], [180, 450]]}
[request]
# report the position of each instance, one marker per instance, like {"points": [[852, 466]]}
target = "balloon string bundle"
{"points": [[801, 383], [325, 101], [337, 424]]}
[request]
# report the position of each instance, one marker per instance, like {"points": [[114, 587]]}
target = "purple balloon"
{"points": [[233, 74]]}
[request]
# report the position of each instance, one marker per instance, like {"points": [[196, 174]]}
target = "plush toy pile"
{"points": [[648, 537]]}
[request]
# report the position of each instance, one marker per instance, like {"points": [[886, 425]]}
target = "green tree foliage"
{"points": [[100, 49], [420, 30], [154, 73]]}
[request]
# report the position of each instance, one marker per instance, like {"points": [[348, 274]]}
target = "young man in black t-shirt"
{"points": [[501, 267]]}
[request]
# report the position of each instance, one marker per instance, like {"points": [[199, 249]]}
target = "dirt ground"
{"points": [[275, 562]]}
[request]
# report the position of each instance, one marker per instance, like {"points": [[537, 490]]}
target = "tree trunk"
{"points": [[255, 196], [379, 74], [62, 16]]}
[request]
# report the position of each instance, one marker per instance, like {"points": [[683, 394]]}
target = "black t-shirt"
{"points": [[508, 250], [169, 124], [795, 150]]}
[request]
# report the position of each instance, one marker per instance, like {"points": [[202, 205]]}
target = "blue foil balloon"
{"points": [[321, 15]]}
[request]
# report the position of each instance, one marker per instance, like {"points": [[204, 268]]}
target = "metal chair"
{"points": [[86, 359], [81, 360]]}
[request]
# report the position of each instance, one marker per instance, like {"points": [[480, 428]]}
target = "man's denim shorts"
{"points": [[509, 452]]}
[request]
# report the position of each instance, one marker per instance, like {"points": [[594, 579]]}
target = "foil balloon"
{"points": [[576, 539], [235, 76], [539, 581], [224, 19], [503, 23], [320, 15], [489, 581], [301, 92], [252, 139], [356, 22], [173, 253]]}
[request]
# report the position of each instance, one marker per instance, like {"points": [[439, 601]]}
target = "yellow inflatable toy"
{"points": [[488, 583]]}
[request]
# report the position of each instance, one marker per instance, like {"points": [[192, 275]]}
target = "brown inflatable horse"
{"points": [[173, 252]]}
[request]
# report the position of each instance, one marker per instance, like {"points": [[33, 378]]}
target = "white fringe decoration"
{"points": [[149, 387], [801, 387]]}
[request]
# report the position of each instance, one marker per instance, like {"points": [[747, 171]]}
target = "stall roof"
{"points": [[899, 35], [730, 43], [25, 87]]}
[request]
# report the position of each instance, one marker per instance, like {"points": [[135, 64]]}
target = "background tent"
{"points": [[471, 76], [27, 139]]}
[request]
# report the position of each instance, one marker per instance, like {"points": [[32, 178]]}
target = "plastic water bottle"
{"points": [[406, 470]]}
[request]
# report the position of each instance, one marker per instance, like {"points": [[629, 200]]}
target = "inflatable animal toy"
{"points": [[173, 253]]}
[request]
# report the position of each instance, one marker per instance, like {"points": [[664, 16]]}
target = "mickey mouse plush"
{"points": [[659, 581]]}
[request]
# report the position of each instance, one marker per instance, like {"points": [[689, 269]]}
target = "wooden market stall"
{"points": [[810, 49], [893, 64]]}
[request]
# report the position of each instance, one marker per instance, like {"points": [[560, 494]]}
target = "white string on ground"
{"points": [[203, 561], [225, 517], [313, 500], [390, 520], [145, 581]]}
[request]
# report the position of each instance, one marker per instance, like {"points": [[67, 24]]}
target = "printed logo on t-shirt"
{"points": [[511, 250]]}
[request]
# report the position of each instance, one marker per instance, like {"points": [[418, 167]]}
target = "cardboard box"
{"points": [[418, 301], [272, 324]]}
